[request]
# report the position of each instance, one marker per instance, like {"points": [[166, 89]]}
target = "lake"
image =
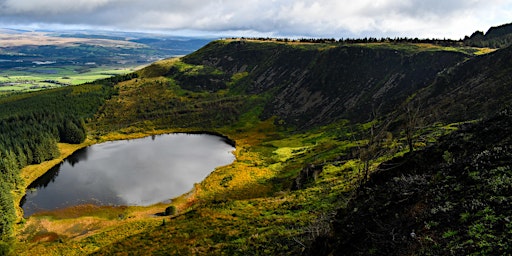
{"points": [[129, 172]]}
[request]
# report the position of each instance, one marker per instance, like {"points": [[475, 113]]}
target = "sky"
{"points": [[273, 18]]}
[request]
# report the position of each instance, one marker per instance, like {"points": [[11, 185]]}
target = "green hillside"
{"points": [[322, 132], [448, 199]]}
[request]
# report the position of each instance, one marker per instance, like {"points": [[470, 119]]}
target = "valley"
{"points": [[342, 148], [40, 60]]}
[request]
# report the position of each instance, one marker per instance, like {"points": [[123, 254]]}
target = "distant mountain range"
{"points": [[135, 47]]}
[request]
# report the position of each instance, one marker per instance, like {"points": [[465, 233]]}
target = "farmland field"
{"points": [[47, 77], [37, 78], [39, 60]]}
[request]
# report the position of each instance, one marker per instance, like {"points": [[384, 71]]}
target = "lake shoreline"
{"points": [[31, 173]]}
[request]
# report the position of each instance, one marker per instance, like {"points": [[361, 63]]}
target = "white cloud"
{"points": [[50, 6], [324, 18]]}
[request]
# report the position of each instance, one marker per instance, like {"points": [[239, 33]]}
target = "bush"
{"points": [[171, 210]]}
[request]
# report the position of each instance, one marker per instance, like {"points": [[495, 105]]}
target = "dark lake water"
{"points": [[130, 172]]}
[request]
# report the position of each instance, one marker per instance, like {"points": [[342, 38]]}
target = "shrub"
{"points": [[171, 210]]}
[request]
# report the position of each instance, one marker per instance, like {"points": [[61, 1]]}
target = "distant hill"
{"points": [[29, 59], [161, 45], [93, 46]]}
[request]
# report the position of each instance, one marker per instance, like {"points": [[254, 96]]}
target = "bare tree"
{"points": [[412, 122], [374, 146]]}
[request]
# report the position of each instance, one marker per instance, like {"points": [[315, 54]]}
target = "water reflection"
{"points": [[79, 155], [134, 172]]}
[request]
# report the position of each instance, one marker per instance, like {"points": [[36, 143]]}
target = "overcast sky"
{"points": [[281, 18]]}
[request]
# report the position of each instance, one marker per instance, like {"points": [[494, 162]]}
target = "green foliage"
{"points": [[448, 157], [72, 131], [449, 233], [454, 196], [170, 210], [8, 215], [5, 248], [198, 77]]}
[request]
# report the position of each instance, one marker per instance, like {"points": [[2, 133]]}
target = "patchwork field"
{"points": [[40, 60], [37, 78]]}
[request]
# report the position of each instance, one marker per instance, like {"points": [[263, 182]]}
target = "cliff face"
{"points": [[474, 89], [310, 85], [450, 198]]}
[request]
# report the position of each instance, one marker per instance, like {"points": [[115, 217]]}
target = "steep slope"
{"points": [[313, 85], [450, 199], [474, 89]]}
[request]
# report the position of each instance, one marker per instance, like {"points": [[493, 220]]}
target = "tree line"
{"points": [[442, 42], [495, 37], [477, 39]]}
